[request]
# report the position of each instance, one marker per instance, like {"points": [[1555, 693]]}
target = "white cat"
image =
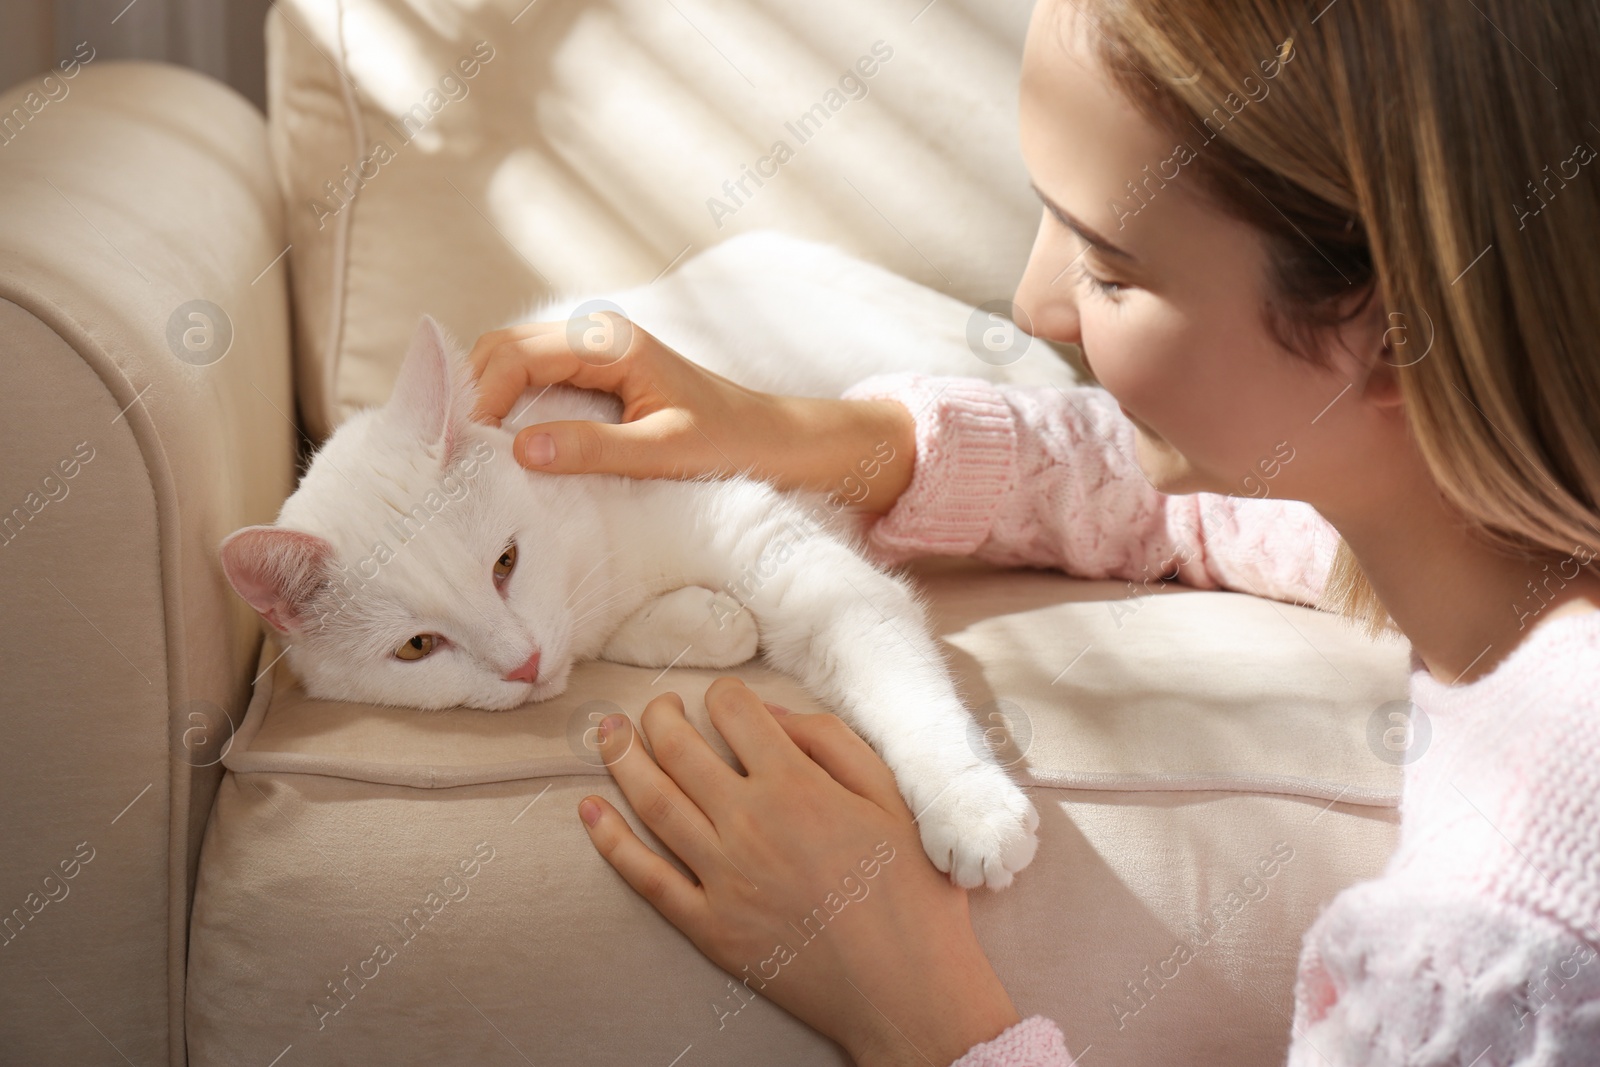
{"points": [[417, 564]]}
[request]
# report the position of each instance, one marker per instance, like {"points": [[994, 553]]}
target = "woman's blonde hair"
{"points": [[1436, 155]]}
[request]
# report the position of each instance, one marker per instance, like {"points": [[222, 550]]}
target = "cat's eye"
{"points": [[418, 647], [506, 563]]}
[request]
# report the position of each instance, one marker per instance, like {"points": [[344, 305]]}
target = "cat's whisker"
{"points": [[598, 608], [582, 607], [601, 589], [585, 578]]}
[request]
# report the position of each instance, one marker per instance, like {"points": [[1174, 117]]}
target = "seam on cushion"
{"points": [[334, 355], [434, 777], [255, 712], [240, 759], [1199, 782], [428, 779]]}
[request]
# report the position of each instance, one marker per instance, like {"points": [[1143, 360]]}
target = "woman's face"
{"points": [[1175, 330]]}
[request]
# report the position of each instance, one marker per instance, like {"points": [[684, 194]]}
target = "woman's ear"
{"points": [[1372, 346], [1382, 385]]}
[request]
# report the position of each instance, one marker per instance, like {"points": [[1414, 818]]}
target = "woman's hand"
{"points": [[813, 891], [680, 420]]}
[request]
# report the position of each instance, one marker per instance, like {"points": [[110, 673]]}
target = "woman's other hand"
{"points": [[813, 890], [680, 420]]}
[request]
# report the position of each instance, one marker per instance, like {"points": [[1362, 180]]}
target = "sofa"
{"points": [[204, 865]]}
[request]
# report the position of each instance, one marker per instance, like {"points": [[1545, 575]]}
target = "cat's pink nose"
{"points": [[528, 672]]}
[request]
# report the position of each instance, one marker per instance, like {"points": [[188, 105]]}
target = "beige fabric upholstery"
{"points": [[583, 152], [1167, 761], [140, 189]]}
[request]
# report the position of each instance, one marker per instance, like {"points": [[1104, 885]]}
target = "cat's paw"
{"points": [[980, 828], [732, 637], [688, 627]]}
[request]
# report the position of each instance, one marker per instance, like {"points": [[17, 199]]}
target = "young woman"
{"points": [[1365, 234]]}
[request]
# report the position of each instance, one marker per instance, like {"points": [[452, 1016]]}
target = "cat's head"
{"points": [[417, 564]]}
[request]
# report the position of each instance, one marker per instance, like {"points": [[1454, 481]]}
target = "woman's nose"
{"points": [[1046, 300]]}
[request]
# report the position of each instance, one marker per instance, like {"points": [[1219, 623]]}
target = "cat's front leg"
{"points": [[689, 627], [976, 824], [860, 639]]}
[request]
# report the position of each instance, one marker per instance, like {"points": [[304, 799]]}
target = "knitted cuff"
{"points": [[965, 464], [1034, 1042]]}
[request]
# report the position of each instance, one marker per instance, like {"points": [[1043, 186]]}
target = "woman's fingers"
{"points": [[500, 373], [671, 816], [850, 761], [745, 723], [679, 420], [485, 345], [682, 902], [659, 445], [684, 754], [507, 362]]}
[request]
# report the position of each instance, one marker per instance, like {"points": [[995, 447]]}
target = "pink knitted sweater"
{"points": [[1480, 943]]}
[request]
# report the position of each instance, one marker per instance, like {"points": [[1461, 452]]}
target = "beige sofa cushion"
{"points": [[1212, 736], [582, 151]]}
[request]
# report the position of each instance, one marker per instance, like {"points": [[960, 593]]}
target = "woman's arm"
{"points": [[1046, 477], [680, 420], [1014, 475]]}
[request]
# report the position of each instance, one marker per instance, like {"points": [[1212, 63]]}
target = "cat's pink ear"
{"points": [[277, 571], [423, 394]]}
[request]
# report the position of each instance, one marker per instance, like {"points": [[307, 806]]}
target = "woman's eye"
{"points": [[505, 564], [418, 647], [1108, 289]]}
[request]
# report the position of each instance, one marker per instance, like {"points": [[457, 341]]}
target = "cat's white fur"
{"points": [[396, 527]]}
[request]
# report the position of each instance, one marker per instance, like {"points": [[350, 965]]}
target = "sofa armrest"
{"points": [[139, 427]]}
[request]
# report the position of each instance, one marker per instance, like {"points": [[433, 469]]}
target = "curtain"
{"points": [[222, 38]]}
